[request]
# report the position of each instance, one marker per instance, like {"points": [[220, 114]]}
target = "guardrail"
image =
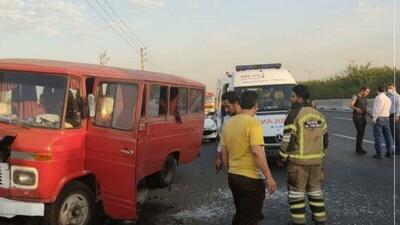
{"points": [[339, 104]]}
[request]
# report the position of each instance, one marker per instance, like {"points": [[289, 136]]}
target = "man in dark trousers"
{"points": [[243, 156], [394, 115], [380, 119], [358, 104]]}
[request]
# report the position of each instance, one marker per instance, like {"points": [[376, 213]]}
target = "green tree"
{"points": [[351, 80]]}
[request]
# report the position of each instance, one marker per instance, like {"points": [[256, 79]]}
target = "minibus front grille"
{"points": [[4, 175]]}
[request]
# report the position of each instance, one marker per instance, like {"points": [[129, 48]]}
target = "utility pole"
{"points": [[142, 59]]}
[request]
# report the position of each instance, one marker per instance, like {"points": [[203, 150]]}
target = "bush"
{"points": [[351, 80]]}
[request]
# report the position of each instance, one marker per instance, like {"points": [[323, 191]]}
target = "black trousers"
{"points": [[359, 122], [248, 196], [395, 130]]}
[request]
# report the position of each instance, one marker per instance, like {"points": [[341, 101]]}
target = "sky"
{"points": [[203, 39]]}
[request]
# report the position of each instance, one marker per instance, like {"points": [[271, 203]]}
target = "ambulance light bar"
{"points": [[258, 67]]}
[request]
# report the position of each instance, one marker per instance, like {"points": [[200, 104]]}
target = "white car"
{"points": [[210, 131]]}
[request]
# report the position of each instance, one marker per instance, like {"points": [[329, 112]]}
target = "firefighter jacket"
{"points": [[305, 136]]}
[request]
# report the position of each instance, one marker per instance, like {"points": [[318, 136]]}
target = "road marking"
{"points": [[353, 138], [336, 110], [342, 118]]}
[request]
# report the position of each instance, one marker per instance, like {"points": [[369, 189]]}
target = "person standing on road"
{"points": [[380, 118], [305, 140], [358, 104], [244, 157], [230, 102], [394, 120]]}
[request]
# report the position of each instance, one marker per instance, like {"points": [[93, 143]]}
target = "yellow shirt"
{"points": [[238, 135]]}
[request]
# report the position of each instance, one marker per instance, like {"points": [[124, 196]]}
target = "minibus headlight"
{"points": [[24, 177], [27, 178]]}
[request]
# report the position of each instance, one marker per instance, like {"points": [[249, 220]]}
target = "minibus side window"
{"points": [[158, 102], [116, 105], [143, 111], [73, 115], [196, 101], [183, 100], [178, 100]]}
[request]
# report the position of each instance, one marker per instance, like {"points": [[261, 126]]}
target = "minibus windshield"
{"points": [[270, 97], [32, 99]]}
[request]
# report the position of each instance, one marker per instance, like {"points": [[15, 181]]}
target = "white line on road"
{"points": [[336, 110], [353, 138], [342, 118]]}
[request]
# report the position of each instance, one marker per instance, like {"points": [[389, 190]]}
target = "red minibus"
{"points": [[74, 134]]}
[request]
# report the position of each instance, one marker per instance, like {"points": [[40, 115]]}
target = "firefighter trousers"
{"points": [[302, 180]]}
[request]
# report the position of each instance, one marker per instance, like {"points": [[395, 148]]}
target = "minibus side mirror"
{"points": [[92, 105]]}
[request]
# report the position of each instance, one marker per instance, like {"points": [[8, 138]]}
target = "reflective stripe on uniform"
{"points": [[286, 138], [299, 216], [292, 196], [320, 214], [292, 127], [284, 155], [317, 204], [324, 127], [315, 193], [298, 206], [313, 156], [296, 194]]}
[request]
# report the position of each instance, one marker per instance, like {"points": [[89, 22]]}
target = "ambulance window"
{"points": [[178, 100], [158, 100], [73, 114], [196, 101], [116, 105]]}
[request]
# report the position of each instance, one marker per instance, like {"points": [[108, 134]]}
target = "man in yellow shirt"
{"points": [[244, 157]]}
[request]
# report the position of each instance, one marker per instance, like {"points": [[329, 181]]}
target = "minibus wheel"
{"points": [[75, 205], [164, 177]]}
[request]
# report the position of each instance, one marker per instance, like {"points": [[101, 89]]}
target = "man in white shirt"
{"points": [[380, 118], [394, 120]]}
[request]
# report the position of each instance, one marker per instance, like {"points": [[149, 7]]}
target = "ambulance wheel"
{"points": [[164, 177], [74, 206]]}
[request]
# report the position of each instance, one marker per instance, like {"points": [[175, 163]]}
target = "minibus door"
{"points": [[112, 146]]}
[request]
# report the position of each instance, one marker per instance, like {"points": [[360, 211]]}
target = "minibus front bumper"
{"points": [[11, 208]]}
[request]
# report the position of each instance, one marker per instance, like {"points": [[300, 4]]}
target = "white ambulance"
{"points": [[274, 87]]}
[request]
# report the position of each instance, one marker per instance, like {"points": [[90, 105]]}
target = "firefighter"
{"points": [[305, 140]]}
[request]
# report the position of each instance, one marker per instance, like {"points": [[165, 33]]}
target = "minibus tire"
{"points": [[74, 189], [164, 177]]}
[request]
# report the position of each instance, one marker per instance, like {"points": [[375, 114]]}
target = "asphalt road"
{"points": [[359, 189]]}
